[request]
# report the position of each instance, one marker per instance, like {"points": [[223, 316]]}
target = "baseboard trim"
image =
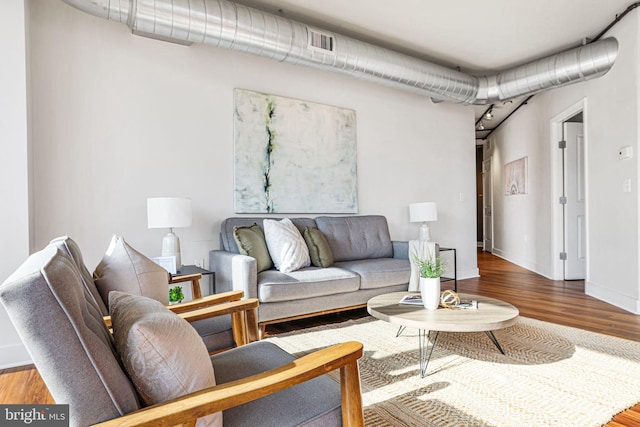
{"points": [[622, 301], [531, 266], [468, 274], [13, 356]]}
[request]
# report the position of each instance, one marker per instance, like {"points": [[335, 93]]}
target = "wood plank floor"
{"points": [[562, 302]]}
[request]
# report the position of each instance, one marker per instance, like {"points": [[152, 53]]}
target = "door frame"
{"points": [[557, 171], [487, 183]]}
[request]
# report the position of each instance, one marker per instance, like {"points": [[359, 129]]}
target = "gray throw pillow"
{"points": [[319, 250], [125, 269], [162, 353], [251, 242]]}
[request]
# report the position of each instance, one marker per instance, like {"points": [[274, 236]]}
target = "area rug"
{"points": [[551, 375]]}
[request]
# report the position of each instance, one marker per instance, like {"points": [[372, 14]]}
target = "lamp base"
{"points": [[425, 233], [171, 247]]}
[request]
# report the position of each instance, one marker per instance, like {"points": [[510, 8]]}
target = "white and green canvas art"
{"points": [[293, 156]]}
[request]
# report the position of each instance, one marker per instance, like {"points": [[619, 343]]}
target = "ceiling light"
{"points": [[489, 115], [481, 126]]}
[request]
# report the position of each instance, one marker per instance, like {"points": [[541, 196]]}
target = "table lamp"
{"points": [[169, 212], [423, 212]]}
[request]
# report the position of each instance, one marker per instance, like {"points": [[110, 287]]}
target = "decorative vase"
{"points": [[430, 291]]}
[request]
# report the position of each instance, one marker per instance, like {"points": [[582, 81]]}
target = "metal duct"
{"points": [[233, 26]]}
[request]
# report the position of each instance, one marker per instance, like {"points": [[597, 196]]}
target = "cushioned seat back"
{"points": [[228, 243], [71, 248], [356, 237], [63, 330]]}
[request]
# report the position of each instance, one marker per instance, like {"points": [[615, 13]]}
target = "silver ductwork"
{"points": [[237, 27]]}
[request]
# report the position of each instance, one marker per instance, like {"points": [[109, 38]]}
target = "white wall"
{"points": [[524, 224], [14, 172], [117, 118]]}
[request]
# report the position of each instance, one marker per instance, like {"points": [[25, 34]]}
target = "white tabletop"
{"points": [[491, 314]]}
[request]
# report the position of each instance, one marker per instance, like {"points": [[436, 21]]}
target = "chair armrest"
{"points": [[193, 305], [235, 272], [244, 318], [342, 356], [206, 301], [400, 249], [195, 283]]}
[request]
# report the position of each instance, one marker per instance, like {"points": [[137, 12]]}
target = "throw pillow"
{"points": [[319, 250], [250, 241], [125, 269], [286, 245], [163, 355]]}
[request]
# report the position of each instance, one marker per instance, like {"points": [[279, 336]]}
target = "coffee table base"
{"points": [[424, 337]]}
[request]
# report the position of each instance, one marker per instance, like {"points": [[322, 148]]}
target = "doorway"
{"points": [[574, 199], [569, 228], [487, 218]]}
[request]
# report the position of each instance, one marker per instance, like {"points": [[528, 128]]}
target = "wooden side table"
{"points": [[191, 273]]}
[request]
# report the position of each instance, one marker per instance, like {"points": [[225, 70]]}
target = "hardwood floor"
{"points": [[562, 302]]}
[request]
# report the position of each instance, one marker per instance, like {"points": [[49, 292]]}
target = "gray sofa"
{"points": [[367, 263]]}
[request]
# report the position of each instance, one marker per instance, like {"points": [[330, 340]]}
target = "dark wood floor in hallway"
{"points": [[562, 302]]}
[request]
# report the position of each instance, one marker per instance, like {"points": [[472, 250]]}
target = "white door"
{"points": [[487, 244], [575, 265]]}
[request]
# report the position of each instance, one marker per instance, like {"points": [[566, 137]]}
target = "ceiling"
{"points": [[478, 37]]}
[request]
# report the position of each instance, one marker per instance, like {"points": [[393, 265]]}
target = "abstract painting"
{"points": [[293, 156], [515, 177]]}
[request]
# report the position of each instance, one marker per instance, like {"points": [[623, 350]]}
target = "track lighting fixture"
{"points": [[489, 114], [481, 126]]}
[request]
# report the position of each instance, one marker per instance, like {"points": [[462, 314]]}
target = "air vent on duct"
{"points": [[224, 24], [320, 41]]}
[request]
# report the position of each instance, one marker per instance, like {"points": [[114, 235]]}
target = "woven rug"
{"points": [[551, 375]]}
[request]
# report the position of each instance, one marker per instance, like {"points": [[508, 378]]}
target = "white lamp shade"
{"points": [[168, 212], [421, 212]]}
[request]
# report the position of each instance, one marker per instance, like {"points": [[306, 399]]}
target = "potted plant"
{"points": [[176, 295], [430, 271]]}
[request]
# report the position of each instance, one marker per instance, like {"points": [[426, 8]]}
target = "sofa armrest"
{"points": [[400, 249], [234, 272]]}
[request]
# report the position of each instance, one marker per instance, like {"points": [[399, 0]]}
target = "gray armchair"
{"points": [[215, 332], [257, 384]]}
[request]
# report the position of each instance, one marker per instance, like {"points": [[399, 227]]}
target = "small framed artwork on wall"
{"points": [[515, 177]]}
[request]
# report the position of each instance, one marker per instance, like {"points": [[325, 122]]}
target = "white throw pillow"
{"points": [[286, 245]]}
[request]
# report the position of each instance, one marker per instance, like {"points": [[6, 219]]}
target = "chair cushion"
{"points": [[68, 245], [319, 250], [286, 245], [308, 282], [314, 403], [67, 339], [125, 269], [251, 242], [162, 353]]}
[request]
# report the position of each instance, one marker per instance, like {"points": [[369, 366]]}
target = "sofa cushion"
{"points": [[69, 246], [162, 353], [126, 270], [306, 283], [286, 245], [356, 237], [250, 241], [314, 403], [319, 250], [67, 338], [380, 272]]}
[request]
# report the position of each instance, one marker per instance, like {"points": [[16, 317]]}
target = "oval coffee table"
{"points": [[491, 314]]}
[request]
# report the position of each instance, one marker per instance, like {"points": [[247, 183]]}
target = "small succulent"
{"points": [[176, 294]]}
